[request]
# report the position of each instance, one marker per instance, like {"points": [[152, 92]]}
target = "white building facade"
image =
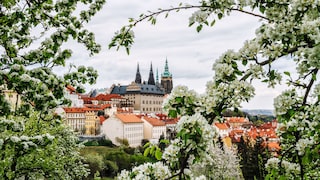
{"points": [[124, 126]]}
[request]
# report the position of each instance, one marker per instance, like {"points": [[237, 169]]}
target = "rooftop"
{"points": [[154, 121], [129, 118]]}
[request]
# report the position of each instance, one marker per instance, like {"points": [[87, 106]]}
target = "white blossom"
{"points": [[15, 139], [199, 16], [302, 144]]}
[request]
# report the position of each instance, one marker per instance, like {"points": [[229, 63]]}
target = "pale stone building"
{"points": [[75, 118], [222, 129], [153, 128], [73, 96], [123, 126]]}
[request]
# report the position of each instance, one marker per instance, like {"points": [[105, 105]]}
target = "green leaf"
{"points": [[172, 113], [198, 130], [287, 73], [146, 145], [213, 22], [199, 28], [153, 21], [262, 9], [152, 149], [314, 76], [158, 154], [244, 62], [179, 100], [186, 137], [146, 151]]}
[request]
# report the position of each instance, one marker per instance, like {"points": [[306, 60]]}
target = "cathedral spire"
{"points": [[151, 77], [166, 72], [138, 75], [166, 79]]}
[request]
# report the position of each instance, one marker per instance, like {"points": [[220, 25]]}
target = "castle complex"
{"points": [[147, 96]]}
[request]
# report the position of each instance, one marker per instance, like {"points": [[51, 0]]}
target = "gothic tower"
{"points": [[151, 77], [138, 76], [166, 79]]}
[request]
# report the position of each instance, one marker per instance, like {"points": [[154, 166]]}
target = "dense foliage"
{"points": [[34, 144], [37, 148], [108, 162], [32, 34], [289, 31], [253, 156]]}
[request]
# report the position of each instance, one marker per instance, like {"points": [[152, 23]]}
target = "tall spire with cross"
{"points": [[138, 75], [166, 78], [151, 77]]}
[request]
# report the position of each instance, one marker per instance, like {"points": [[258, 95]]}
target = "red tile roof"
{"points": [[99, 107], [76, 109], [237, 120], [129, 118], [272, 146], [221, 126], [154, 121], [107, 97]]}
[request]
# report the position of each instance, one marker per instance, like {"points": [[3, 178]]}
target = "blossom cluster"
{"points": [[195, 146], [146, 171], [291, 169]]}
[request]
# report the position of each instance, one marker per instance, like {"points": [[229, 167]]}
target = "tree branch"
{"points": [[314, 72], [161, 11]]}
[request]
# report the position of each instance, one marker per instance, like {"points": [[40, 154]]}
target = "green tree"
{"points": [[37, 148], [35, 144], [32, 34], [253, 156], [95, 162], [289, 31]]}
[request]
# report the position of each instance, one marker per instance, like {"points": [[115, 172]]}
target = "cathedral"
{"points": [[146, 95]]}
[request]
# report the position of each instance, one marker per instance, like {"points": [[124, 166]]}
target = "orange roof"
{"points": [[272, 146], [129, 118], [171, 121], [258, 132], [221, 126], [107, 97], [98, 107], [76, 109], [237, 120], [237, 131], [154, 121]]}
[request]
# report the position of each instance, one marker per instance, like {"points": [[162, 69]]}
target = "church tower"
{"points": [[166, 79], [138, 76], [151, 77]]}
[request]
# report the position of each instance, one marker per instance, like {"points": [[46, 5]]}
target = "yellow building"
{"points": [[83, 120], [12, 97], [92, 123]]}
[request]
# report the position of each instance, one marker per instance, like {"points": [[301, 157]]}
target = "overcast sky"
{"points": [[190, 54]]}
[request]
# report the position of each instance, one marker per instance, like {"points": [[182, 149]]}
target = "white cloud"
{"points": [[190, 54]]}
